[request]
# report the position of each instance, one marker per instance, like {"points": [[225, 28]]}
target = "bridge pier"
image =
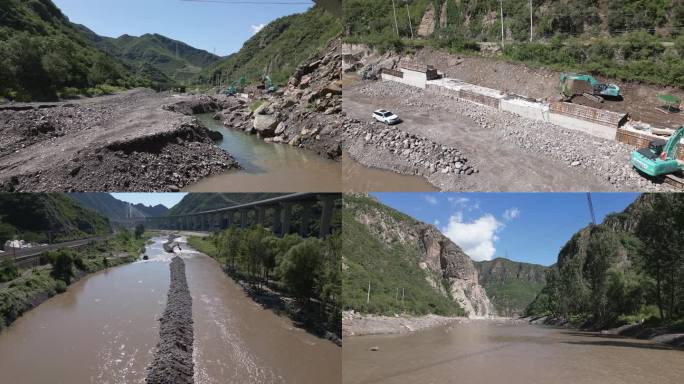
{"points": [[243, 218], [287, 216], [305, 219], [328, 205]]}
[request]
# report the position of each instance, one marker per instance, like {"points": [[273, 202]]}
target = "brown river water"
{"points": [[359, 178], [104, 330], [485, 352], [268, 167]]}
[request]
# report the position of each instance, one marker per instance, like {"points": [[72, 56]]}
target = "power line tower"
{"points": [[591, 209]]}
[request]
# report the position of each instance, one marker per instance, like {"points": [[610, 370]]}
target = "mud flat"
{"points": [[173, 362], [125, 142]]}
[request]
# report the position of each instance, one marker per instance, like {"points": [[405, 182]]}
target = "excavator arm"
{"points": [[671, 145]]}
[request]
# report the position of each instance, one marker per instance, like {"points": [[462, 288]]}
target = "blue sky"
{"points": [[529, 227], [206, 25], [167, 199]]}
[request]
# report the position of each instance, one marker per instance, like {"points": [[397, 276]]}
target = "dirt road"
{"points": [[506, 162], [125, 142]]}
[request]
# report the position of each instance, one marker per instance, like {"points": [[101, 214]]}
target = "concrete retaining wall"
{"points": [[586, 126], [525, 108]]}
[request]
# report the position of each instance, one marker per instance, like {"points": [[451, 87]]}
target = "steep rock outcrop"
{"points": [[441, 259], [427, 24]]}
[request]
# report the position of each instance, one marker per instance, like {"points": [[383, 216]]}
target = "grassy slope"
{"points": [[387, 266], [279, 47], [33, 215]]}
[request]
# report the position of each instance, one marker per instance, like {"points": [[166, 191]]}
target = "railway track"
{"points": [[676, 181], [26, 255]]}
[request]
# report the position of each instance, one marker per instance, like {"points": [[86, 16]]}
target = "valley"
{"points": [[137, 125]]}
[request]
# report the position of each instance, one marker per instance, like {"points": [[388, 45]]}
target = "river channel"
{"points": [[268, 167], [104, 329], [490, 352]]}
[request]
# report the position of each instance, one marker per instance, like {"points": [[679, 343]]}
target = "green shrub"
{"points": [[60, 286]]}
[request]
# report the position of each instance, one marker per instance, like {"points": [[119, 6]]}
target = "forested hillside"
{"points": [[638, 40], [47, 217], [629, 268], [278, 48], [115, 209], [43, 55], [175, 61], [510, 285]]}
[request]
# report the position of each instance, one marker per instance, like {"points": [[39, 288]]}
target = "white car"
{"points": [[386, 117]]}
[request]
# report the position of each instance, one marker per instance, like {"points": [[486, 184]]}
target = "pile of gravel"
{"points": [[607, 159], [172, 363]]}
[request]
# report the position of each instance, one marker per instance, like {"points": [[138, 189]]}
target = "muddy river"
{"points": [[268, 167], [104, 330], [359, 178], [484, 352]]}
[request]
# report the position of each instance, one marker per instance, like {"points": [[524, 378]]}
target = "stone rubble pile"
{"points": [[304, 114], [421, 154]]}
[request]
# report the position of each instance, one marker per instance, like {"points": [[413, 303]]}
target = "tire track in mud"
{"points": [[173, 362]]}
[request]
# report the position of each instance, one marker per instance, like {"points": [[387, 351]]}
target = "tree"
{"points": [[62, 263], [662, 252], [300, 266], [601, 252], [139, 231]]}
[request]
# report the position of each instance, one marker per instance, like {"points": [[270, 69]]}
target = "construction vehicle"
{"points": [[573, 84], [268, 84], [235, 86], [660, 158]]}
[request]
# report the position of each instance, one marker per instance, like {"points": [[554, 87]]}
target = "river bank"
{"points": [[36, 285], [310, 316], [357, 324], [642, 330]]}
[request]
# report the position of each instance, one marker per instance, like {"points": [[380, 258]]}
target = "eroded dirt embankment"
{"points": [[125, 142], [172, 363]]}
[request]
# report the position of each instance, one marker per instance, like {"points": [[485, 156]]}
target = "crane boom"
{"points": [[591, 209]]}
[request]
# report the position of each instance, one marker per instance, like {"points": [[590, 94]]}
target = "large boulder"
{"points": [[265, 125]]}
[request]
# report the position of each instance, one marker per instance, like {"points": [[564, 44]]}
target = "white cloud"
{"points": [[257, 28], [511, 213], [477, 237], [430, 199], [437, 223], [464, 202]]}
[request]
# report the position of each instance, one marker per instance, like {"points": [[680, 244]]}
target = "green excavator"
{"points": [[572, 84], [235, 86], [268, 85], [660, 158]]}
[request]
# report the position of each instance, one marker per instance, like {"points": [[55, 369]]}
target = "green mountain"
{"points": [[510, 285], [198, 202], [115, 209], [42, 54], [278, 48], [175, 60], [628, 268], [42, 217], [410, 266]]}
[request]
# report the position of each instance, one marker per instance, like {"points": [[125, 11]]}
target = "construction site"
{"points": [[514, 127]]}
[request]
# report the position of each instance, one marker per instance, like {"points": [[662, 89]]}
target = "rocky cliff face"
{"points": [[510, 285], [447, 267], [500, 270], [306, 113]]}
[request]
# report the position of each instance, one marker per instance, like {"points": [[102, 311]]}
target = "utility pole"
{"points": [[502, 25], [394, 11], [409, 19], [530, 21], [368, 296]]}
